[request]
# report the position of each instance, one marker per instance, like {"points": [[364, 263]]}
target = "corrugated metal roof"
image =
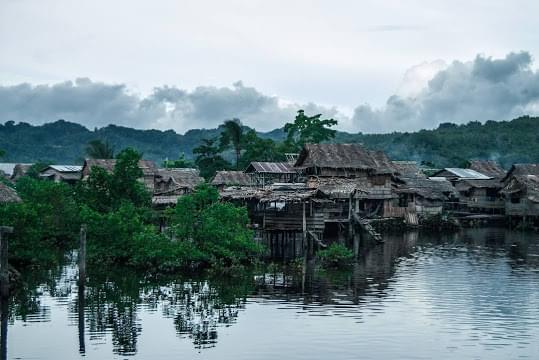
{"points": [[467, 174], [270, 167], [66, 168]]}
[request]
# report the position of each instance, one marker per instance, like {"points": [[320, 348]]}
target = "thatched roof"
{"points": [[479, 184], [231, 178], [148, 167], [408, 168], [522, 169], [527, 185], [339, 188], [20, 170], [8, 195], [343, 156], [270, 167], [488, 167], [439, 189], [179, 178], [279, 193]]}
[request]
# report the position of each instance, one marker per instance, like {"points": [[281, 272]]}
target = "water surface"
{"points": [[471, 295]]}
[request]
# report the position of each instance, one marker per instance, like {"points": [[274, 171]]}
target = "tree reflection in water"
{"points": [[199, 306]]}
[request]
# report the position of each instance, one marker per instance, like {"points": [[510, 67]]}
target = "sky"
{"points": [[375, 66]]}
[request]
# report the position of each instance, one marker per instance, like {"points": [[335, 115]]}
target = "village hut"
{"points": [[20, 170], [480, 193], [172, 183], [285, 216], [148, 168], [350, 169], [488, 167], [62, 173], [521, 190], [8, 194], [223, 179], [265, 173], [416, 193]]}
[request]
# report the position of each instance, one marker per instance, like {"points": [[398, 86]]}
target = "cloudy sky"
{"points": [[376, 66]]}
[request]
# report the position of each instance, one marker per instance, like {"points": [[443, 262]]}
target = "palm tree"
{"points": [[97, 149], [233, 133]]}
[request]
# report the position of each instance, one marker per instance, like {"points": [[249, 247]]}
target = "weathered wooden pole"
{"points": [[82, 284], [82, 255], [350, 217], [4, 305], [4, 289]]}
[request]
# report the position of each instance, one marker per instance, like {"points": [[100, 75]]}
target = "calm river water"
{"points": [[471, 295]]}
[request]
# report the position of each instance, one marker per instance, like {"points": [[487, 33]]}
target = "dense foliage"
{"points": [[121, 225], [45, 223], [448, 145], [335, 256]]}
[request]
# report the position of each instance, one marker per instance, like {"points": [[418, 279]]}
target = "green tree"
{"points": [[181, 162], [258, 149], [98, 149], [308, 129], [232, 135], [105, 192], [2, 153], [219, 230], [208, 159]]}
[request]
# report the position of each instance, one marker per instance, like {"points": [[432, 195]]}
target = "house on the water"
{"points": [[417, 194], [344, 169], [521, 190], [478, 187], [62, 173]]}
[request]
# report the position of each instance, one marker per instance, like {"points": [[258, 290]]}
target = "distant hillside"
{"points": [[448, 145]]}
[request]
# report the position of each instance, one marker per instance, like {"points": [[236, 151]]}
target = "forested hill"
{"points": [[448, 145]]}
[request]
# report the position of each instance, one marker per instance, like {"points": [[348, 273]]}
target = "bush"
{"points": [[335, 256]]}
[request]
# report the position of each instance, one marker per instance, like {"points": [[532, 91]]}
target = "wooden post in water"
{"points": [[4, 289], [82, 283], [82, 255]]}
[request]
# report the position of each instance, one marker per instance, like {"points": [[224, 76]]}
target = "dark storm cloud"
{"points": [[483, 89], [99, 104]]}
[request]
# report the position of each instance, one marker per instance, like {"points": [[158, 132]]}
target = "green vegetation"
{"points": [[46, 222], [335, 256], [180, 162], [232, 135], [449, 145], [98, 149], [308, 129], [121, 224]]}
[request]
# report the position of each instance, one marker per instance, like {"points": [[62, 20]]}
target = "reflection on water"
{"points": [[473, 294]]}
